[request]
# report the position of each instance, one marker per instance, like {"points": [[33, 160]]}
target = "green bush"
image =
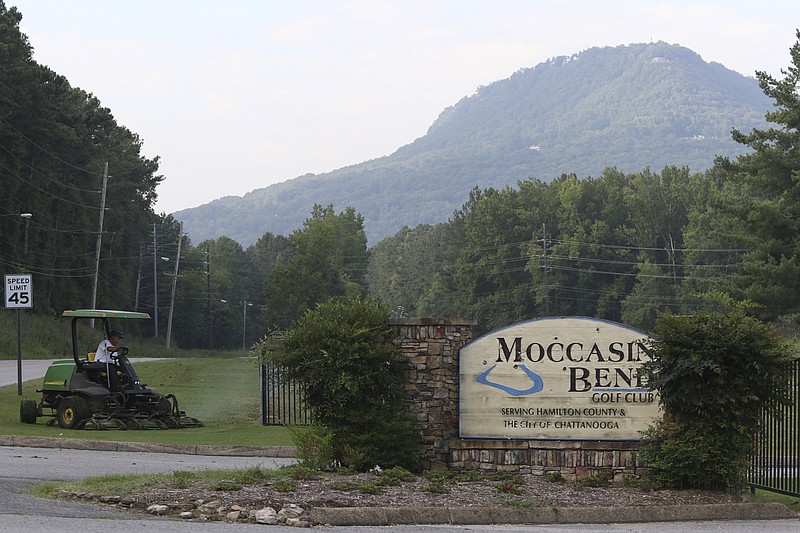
{"points": [[554, 477], [597, 480], [313, 447], [715, 372], [344, 354]]}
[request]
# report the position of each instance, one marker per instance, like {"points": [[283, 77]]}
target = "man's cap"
{"points": [[115, 333]]}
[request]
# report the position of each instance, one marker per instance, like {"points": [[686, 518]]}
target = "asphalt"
{"points": [[384, 516]]}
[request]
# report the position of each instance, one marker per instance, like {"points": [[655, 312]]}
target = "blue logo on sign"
{"points": [[538, 384]]}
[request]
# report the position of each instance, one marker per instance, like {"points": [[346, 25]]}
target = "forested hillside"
{"points": [[627, 107], [620, 246]]}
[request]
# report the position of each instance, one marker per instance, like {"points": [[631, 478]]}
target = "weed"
{"points": [[370, 488], [249, 476], [182, 479], [395, 476], [554, 477], [344, 485], [508, 487], [284, 485], [299, 472], [521, 503], [639, 483], [436, 487], [597, 480], [226, 486]]}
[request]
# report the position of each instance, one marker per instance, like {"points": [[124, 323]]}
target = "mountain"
{"points": [[629, 107]]}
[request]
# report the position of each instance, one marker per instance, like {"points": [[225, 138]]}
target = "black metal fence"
{"points": [[775, 464], [281, 400]]}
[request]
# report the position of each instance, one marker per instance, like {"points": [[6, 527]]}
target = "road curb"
{"points": [[111, 446], [388, 516]]}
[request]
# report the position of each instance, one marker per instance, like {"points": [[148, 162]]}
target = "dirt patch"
{"points": [[354, 491]]}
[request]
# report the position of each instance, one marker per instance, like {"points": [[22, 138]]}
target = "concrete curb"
{"points": [[387, 516], [110, 446]]}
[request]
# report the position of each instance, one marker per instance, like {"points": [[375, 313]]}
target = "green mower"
{"points": [[78, 393]]}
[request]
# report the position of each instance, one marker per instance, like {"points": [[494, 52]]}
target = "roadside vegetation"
{"points": [[715, 373]]}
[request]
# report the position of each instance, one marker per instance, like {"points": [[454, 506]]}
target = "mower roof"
{"points": [[103, 313]]}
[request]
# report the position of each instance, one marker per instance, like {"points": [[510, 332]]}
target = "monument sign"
{"points": [[556, 378]]}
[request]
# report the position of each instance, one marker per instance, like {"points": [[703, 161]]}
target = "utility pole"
{"points": [[174, 283], [244, 324], [138, 280], [545, 268], [208, 293], [155, 284], [99, 238]]}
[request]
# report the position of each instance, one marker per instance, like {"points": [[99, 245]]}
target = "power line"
{"points": [[43, 150]]}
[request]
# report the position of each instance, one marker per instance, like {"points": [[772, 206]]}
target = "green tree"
{"points": [[402, 268], [344, 355], [56, 140], [328, 257], [714, 371], [761, 206]]}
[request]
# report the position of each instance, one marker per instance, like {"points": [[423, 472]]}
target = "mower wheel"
{"points": [[70, 411], [28, 411]]}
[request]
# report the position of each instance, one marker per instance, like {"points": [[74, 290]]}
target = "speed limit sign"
{"points": [[19, 291]]}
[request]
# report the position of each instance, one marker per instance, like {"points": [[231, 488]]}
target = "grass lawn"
{"points": [[222, 393], [792, 502]]}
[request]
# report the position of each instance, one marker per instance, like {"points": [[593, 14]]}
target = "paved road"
{"points": [[34, 369], [21, 468]]}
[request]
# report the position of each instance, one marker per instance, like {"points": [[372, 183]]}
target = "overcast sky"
{"points": [[234, 96]]}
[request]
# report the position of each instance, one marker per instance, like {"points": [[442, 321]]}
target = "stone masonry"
{"points": [[431, 346]]}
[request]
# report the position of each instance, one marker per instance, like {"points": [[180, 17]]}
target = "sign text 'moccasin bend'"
{"points": [[582, 378]]}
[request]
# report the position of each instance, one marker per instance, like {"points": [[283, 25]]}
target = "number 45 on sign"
{"points": [[18, 291]]}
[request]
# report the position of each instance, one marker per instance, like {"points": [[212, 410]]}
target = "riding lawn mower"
{"points": [[80, 393]]}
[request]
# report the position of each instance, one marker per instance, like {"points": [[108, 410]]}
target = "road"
{"points": [[34, 369], [22, 468], [31, 369]]}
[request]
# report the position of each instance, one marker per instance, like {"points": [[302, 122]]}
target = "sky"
{"points": [[237, 95]]}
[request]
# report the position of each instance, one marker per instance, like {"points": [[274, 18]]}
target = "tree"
{"points": [[328, 257], [715, 371], [344, 355], [56, 140], [403, 268], [764, 219]]}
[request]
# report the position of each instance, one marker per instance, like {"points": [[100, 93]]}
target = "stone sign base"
{"points": [[431, 346], [572, 459]]}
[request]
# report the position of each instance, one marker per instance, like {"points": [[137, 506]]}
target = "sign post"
{"points": [[19, 295]]}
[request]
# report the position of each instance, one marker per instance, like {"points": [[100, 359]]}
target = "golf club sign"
{"points": [[556, 378]]}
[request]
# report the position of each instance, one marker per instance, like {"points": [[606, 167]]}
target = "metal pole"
{"points": [[208, 293], [19, 352], [244, 325], [27, 217]]}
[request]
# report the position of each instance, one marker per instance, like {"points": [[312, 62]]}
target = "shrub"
{"points": [[343, 353], [597, 480], [715, 372], [554, 477]]}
